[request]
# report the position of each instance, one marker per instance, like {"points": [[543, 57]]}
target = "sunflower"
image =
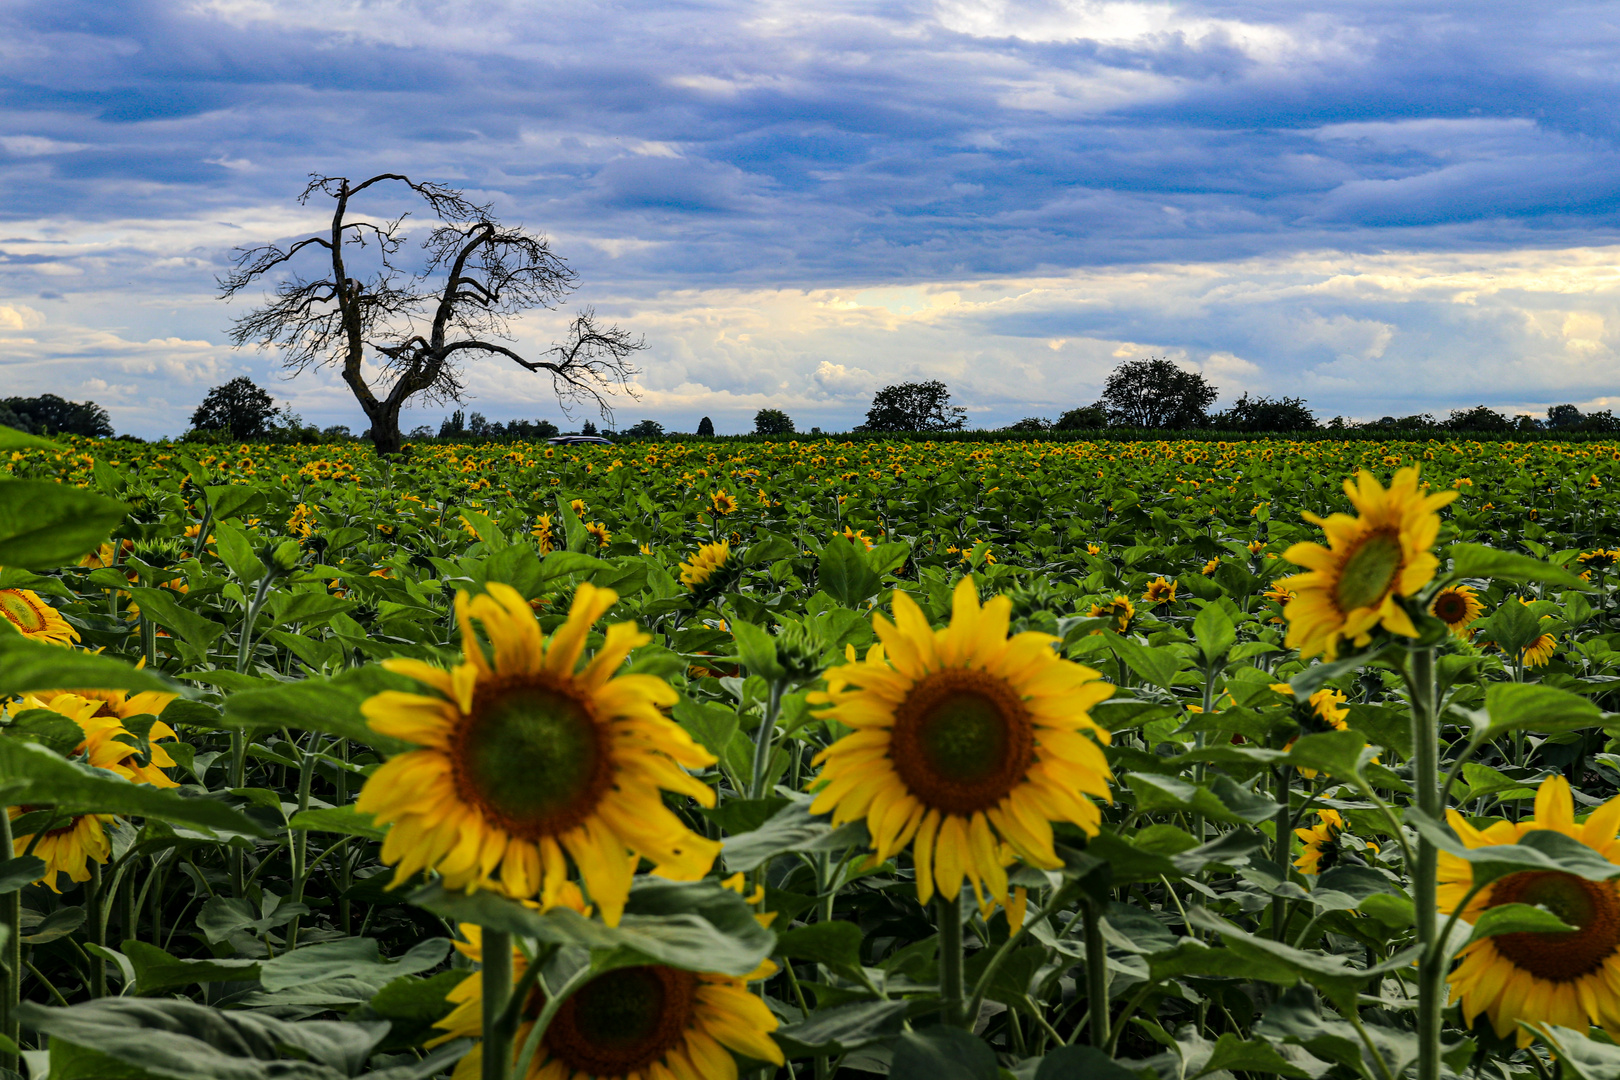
{"points": [[1540, 651], [1352, 585], [709, 560], [1600, 559], [1094, 549], [1160, 591], [650, 1022], [526, 762], [722, 502], [1322, 711], [1570, 978], [600, 531], [967, 744], [1456, 606], [1120, 609], [858, 536], [1209, 567], [542, 533], [68, 849], [34, 618], [1321, 843], [108, 744]]}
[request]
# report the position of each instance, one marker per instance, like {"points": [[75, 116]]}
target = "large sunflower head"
{"points": [[1456, 606], [67, 848], [968, 744], [1540, 651], [34, 618], [529, 760], [650, 1022], [1570, 978], [1352, 585], [108, 744]]}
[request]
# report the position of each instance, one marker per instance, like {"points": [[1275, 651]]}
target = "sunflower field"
{"points": [[707, 760]]}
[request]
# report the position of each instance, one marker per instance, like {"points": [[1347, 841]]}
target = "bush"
{"points": [[772, 422], [1155, 393], [1030, 424]]}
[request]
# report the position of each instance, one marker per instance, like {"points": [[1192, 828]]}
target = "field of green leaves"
{"points": [[691, 761]]}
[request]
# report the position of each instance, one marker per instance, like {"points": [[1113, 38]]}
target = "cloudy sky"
{"points": [[1380, 206]]}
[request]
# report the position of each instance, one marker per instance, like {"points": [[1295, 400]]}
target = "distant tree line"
{"points": [[48, 414]]}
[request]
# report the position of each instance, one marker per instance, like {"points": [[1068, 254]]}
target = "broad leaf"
{"points": [[45, 524], [33, 665], [942, 1053], [1478, 561]]}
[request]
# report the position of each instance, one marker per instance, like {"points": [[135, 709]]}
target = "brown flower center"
{"points": [[1451, 607], [623, 1021], [1368, 574], [962, 740], [1593, 907], [532, 756]]}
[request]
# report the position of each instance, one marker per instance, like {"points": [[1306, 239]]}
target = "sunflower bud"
{"points": [[799, 652], [283, 558]]}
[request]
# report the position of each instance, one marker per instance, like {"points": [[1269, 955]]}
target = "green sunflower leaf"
{"points": [[45, 524], [1478, 561]]}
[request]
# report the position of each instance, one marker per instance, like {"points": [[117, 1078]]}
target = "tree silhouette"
{"points": [[417, 328], [917, 406], [772, 422], [240, 407], [705, 428], [1157, 394]]}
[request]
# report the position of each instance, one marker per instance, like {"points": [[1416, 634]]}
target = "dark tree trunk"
{"points": [[385, 434]]}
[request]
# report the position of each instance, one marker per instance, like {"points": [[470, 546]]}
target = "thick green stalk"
{"points": [[497, 980], [1426, 778], [1283, 847], [1096, 975], [98, 930], [11, 930], [950, 957], [765, 741]]}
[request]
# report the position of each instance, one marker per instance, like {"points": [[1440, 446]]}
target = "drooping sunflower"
{"points": [[1456, 606], [34, 618], [634, 1023], [709, 560], [1570, 978], [528, 760], [1599, 559], [1160, 591], [1322, 711], [1351, 586], [1120, 609], [1321, 843], [722, 502], [967, 744]]}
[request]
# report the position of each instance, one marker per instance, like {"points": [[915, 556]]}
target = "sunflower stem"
{"points": [[497, 987], [950, 957], [94, 901], [1096, 975], [1284, 842], [1426, 779], [765, 740], [10, 950]]}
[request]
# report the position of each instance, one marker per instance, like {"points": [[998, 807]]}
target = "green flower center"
{"points": [[962, 740], [1592, 907], [623, 1021], [17, 610], [1369, 573], [532, 757]]}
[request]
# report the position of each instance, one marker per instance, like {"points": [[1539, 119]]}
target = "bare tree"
{"points": [[417, 326]]}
